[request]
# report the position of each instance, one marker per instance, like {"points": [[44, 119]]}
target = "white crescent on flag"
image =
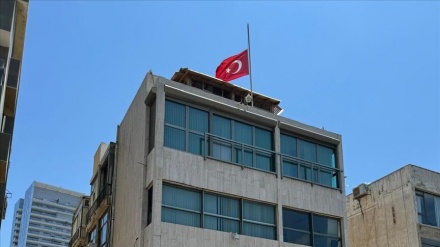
{"points": [[238, 62]]}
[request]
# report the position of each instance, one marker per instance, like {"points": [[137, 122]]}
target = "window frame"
{"points": [[202, 213], [187, 131], [421, 193], [210, 139], [311, 232], [315, 167], [100, 228]]}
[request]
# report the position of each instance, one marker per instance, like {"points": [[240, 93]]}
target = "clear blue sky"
{"points": [[368, 70]]}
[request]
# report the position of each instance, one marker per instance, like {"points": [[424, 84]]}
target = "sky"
{"points": [[368, 70]]}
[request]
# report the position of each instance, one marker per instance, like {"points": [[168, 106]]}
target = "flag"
{"points": [[233, 67]]}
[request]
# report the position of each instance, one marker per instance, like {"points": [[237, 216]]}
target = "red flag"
{"points": [[233, 67]]}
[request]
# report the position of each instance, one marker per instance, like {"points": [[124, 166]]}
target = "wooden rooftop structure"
{"points": [[225, 89]]}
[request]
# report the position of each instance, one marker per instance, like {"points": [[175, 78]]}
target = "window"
{"points": [[150, 206], [221, 213], [428, 209], [259, 220], [185, 127], [242, 143], [310, 229], [92, 236], [217, 212], [103, 231], [309, 161], [181, 206], [429, 243], [230, 140]]}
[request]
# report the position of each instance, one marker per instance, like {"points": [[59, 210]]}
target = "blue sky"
{"points": [[368, 70]]}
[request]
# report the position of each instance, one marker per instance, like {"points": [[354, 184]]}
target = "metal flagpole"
{"points": [[250, 71]]}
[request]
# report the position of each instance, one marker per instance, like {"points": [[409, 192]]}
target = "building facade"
{"points": [[13, 18], [196, 162], [401, 209], [46, 217], [16, 222]]}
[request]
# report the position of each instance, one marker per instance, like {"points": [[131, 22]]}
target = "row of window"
{"points": [[196, 131], [222, 213], [428, 209]]}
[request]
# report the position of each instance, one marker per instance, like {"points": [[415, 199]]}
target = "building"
{"points": [[46, 216], [91, 220], [401, 209], [16, 222], [13, 17], [79, 223], [197, 162]]}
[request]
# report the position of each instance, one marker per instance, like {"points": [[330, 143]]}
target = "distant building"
{"points": [[16, 222], [198, 163], [401, 209], [13, 18], [46, 216]]}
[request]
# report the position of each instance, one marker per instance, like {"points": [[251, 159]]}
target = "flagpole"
{"points": [[250, 71]]}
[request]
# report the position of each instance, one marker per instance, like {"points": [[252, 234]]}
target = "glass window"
{"points": [[259, 220], [316, 163], [221, 126], [288, 145], [221, 213], [243, 133], [182, 135], [297, 229], [233, 141], [198, 120], [428, 208], [175, 114], [307, 150], [326, 156], [181, 206], [103, 231], [263, 138]]}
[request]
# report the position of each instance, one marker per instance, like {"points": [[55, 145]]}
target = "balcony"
{"points": [[79, 238], [100, 204], [244, 155]]}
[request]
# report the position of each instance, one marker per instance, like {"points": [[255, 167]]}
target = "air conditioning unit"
{"points": [[360, 191], [92, 245]]}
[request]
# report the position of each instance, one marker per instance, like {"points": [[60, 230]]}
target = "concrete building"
{"points": [[46, 216], [13, 17], [401, 209], [16, 222], [197, 163]]}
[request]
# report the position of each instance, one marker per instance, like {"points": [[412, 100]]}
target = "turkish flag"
{"points": [[233, 67]]}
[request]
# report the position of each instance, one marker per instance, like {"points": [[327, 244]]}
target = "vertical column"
{"points": [[277, 142], [158, 160]]}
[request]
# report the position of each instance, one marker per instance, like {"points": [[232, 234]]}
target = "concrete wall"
{"points": [[387, 216], [130, 164]]}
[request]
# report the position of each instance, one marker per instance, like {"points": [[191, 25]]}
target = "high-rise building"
{"points": [[46, 216], [401, 209], [16, 221], [200, 162], [13, 17]]}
